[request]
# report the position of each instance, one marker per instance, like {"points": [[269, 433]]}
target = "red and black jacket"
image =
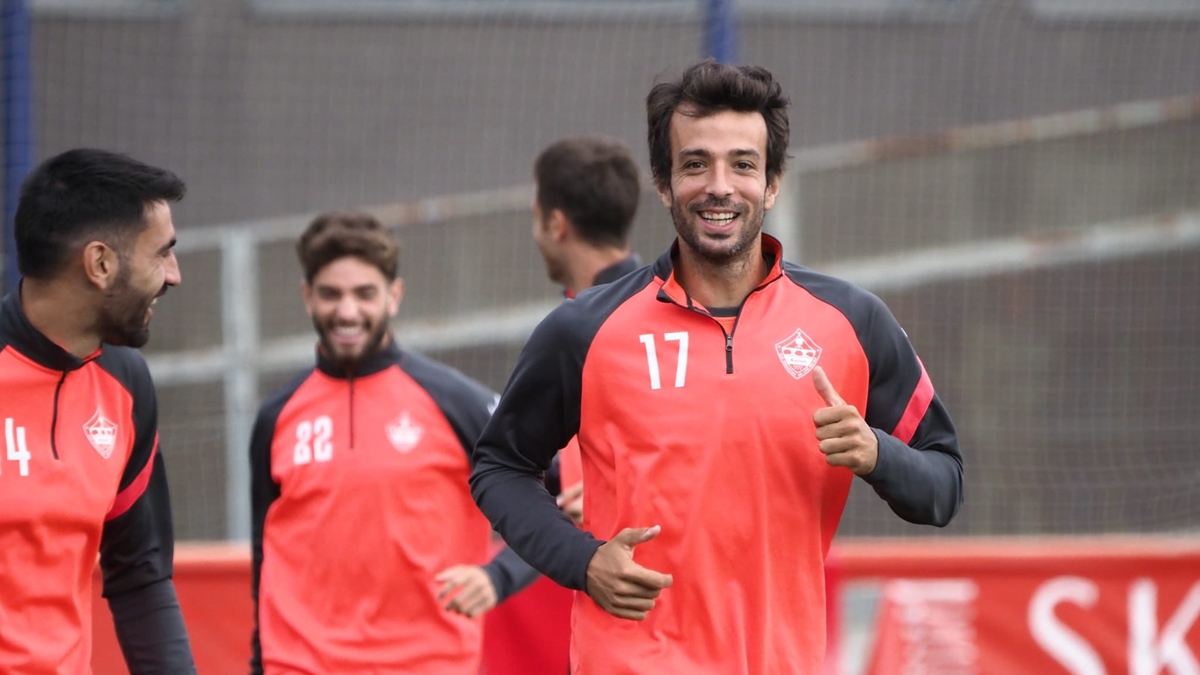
{"points": [[81, 475], [360, 496], [710, 434]]}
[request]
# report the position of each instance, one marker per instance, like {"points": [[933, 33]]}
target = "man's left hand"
{"points": [[571, 503], [844, 435], [475, 593]]}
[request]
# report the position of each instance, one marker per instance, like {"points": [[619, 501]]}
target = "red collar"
{"points": [[671, 291]]}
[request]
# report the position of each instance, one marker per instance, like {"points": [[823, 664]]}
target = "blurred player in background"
{"points": [[364, 531], [587, 192], [587, 195], [82, 473], [719, 399]]}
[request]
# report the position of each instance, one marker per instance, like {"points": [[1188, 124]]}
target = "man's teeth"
{"points": [[718, 217], [347, 330]]}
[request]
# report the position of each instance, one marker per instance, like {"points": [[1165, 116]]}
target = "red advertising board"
{"points": [[947, 607], [1084, 607]]}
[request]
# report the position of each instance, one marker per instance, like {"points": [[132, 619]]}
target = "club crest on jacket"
{"points": [[101, 433], [404, 434], [798, 353]]}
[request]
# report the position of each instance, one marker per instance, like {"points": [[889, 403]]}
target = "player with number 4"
{"points": [[368, 554], [724, 400], [82, 472]]}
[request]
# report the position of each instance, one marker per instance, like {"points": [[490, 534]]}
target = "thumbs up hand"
{"points": [[620, 586], [844, 435]]}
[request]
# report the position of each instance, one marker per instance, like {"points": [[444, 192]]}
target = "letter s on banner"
{"points": [[1059, 641]]}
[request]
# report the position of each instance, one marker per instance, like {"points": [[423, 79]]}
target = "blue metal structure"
{"points": [[18, 122], [720, 30]]}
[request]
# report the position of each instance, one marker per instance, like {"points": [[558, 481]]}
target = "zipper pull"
{"points": [[729, 343]]}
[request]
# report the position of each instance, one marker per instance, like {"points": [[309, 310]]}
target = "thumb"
{"points": [[825, 387], [632, 536], [447, 573]]}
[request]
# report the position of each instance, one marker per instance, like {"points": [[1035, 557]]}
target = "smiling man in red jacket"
{"points": [[82, 472], [723, 399], [369, 555]]}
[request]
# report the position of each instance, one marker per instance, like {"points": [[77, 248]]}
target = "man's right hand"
{"points": [[620, 586]]}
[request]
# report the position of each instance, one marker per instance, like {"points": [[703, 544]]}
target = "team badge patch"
{"points": [[101, 433], [404, 433], [798, 354]]}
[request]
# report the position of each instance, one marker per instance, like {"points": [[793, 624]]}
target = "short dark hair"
{"points": [[82, 195], [595, 182], [709, 87], [333, 236]]}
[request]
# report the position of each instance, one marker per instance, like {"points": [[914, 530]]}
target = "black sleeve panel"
{"points": [[467, 404], [137, 548], [150, 629], [137, 545], [509, 574], [919, 477], [537, 415], [263, 492]]}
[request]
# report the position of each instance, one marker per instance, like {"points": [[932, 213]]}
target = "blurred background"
{"points": [[1018, 179]]}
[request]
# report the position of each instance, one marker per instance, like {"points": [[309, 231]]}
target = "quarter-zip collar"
{"points": [[16, 330], [613, 272], [617, 270], [671, 291]]}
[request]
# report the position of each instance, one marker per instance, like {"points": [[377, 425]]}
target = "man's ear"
{"points": [[101, 264], [664, 195], [558, 226], [772, 192], [396, 295], [306, 293]]}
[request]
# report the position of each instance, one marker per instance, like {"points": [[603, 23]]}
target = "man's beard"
{"points": [[555, 267], [373, 345], [555, 270], [122, 319], [689, 232]]}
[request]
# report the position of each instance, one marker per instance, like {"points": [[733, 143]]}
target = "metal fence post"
{"points": [[784, 220], [239, 315]]}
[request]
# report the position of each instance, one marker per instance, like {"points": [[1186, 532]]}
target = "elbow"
{"points": [[946, 508], [944, 502], [941, 517], [937, 515], [478, 479]]}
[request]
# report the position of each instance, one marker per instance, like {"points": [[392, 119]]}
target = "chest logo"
{"points": [[101, 433], [404, 433], [798, 354]]}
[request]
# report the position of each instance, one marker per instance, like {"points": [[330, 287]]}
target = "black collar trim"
{"points": [[16, 331]]}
